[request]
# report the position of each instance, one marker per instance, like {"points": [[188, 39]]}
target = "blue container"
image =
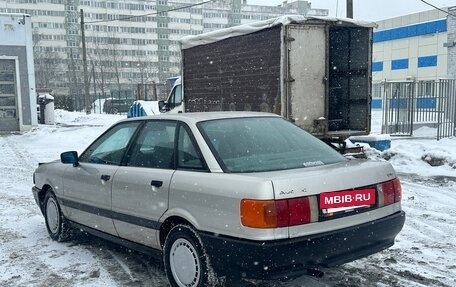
{"points": [[379, 143]]}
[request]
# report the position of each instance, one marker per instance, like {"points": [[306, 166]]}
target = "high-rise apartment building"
{"points": [[129, 42]]}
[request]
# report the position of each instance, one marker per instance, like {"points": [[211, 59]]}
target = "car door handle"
{"points": [[156, 183], [105, 177]]}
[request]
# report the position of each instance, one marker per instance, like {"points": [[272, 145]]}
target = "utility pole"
{"points": [[84, 63], [350, 9]]}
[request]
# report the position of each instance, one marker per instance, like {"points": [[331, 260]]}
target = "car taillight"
{"points": [[398, 190], [303, 210], [264, 213], [299, 211], [389, 192], [278, 213]]}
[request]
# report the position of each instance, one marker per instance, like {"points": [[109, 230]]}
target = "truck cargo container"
{"points": [[314, 71]]}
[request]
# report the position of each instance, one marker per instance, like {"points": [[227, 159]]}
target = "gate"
{"points": [[447, 107], [398, 108], [409, 105]]}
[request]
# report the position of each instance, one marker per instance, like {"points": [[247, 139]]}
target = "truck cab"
{"points": [[174, 104]]}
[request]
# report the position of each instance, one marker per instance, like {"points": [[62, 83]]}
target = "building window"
{"points": [[377, 66], [399, 64], [428, 61]]}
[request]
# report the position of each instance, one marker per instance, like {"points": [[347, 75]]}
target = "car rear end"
{"points": [[331, 216], [329, 210]]}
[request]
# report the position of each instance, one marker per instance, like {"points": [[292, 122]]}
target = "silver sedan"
{"points": [[247, 195]]}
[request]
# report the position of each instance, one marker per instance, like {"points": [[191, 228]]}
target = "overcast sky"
{"points": [[373, 10]]}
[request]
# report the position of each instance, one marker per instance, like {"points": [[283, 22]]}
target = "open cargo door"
{"points": [[349, 81], [307, 72]]}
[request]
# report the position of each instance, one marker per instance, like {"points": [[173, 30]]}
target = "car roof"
{"points": [[204, 116]]}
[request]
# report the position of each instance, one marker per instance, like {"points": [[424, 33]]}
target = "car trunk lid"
{"points": [[347, 175]]}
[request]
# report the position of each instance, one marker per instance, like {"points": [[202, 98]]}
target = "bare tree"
{"points": [[147, 71], [101, 62], [48, 67], [116, 59], [106, 58], [48, 64], [74, 76]]}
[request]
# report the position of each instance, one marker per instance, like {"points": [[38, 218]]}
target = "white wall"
{"points": [[411, 48]]}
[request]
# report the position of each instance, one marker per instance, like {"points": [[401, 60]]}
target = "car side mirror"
{"points": [[70, 157]]}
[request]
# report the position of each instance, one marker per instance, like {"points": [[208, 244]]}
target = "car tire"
{"points": [[56, 223], [186, 263], [113, 111]]}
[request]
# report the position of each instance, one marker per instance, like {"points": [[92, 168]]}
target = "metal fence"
{"points": [[119, 101], [410, 105]]}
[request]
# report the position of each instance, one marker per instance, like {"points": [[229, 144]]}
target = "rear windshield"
{"points": [[264, 144]]}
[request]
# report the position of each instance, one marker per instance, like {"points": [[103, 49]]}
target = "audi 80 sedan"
{"points": [[227, 193]]}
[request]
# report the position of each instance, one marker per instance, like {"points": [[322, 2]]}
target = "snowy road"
{"points": [[424, 254]]}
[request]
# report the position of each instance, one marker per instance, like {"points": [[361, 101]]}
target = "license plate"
{"points": [[347, 199]]}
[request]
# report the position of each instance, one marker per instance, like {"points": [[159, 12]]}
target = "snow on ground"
{"points": [[424, 253]]}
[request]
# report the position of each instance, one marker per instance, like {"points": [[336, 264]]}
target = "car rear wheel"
{"points": [[56, 224], [186, 264]]}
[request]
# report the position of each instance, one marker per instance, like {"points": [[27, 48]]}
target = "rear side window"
{"points": [[154, 147], [188, 156], [264, 144]]}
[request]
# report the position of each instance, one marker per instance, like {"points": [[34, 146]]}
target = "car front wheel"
{"points": [[186, 264], [56, 224]]}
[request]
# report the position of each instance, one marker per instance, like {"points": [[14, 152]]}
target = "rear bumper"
{"points": [[291, 257]]}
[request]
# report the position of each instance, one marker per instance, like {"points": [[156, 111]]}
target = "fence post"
{"points": [[439, 109], [412, 104], [453, 98]]}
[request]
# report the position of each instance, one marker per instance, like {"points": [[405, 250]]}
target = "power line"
{"points": [[440, 9], [152, 13]]}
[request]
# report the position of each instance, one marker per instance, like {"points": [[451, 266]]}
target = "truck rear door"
{"points": [[349, 80], [306, 91]]}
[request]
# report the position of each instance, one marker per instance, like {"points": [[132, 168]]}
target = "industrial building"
{"points": [[17, 76], [415, 47], [411, 47], [413, 71]]}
